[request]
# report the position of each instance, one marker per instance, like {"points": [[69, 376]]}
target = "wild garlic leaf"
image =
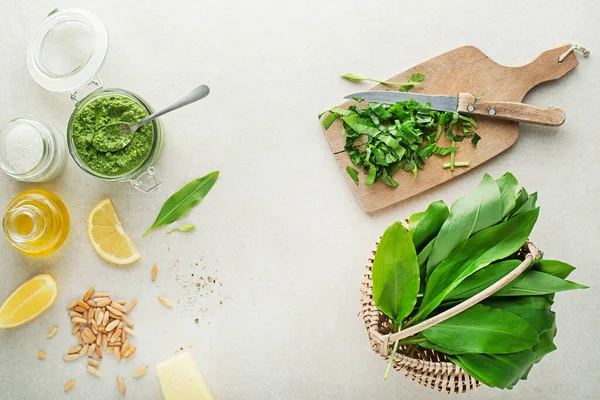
{"points": [[181, 202], [425, 226], [477, 210], [546, 344], [507, 184], [353, 174], [521, 199], [483, 279], [536, 283], [502, 371], [489, 330], [395, 274], [536, 312], [530, 204], [483, 248], [556, 268]]}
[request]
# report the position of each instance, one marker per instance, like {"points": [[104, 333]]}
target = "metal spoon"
{"points": [[115, 136]]}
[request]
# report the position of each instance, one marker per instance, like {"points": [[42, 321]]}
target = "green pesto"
{"points": [[101, 112]]}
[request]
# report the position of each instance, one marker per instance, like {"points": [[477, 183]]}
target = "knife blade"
{"points": [[439, 103], [466, 103]]}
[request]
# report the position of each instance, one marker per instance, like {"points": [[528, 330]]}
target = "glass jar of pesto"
{"points": [[65, 55]]}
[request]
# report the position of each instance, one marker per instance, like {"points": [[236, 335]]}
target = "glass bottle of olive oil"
{"points": [[36, 222]]}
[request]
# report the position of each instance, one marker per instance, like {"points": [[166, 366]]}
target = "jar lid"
{"points": [[67, 50]]}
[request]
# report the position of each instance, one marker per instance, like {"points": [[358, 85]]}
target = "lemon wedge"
{"points": [[107, 236], [29, 301]]}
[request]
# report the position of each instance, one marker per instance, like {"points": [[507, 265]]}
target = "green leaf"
{"points": [[521, 199], [418, 77], [330, 119], [528, 205], [361, 125], [483, 279], [425, 226], [372, 175], [429, 345], [353, 173], [482, 249], [496, 370], [546, 344], [477, 210], [536, 283], [482, 329], [395, 274], [183, 228], [556, 268], [424, 254], [184, 200], [537, 313], [507, 184]]}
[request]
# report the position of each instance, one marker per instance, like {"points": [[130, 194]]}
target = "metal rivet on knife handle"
{"points": [[471, 108], [492, 112]]}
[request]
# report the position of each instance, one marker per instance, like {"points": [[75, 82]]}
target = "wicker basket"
{"points": [[430, 368]]}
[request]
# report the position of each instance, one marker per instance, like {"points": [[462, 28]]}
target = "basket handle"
{"points": [[534, 254]]}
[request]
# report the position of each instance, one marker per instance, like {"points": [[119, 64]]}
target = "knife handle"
{"points": [[519, 112]]}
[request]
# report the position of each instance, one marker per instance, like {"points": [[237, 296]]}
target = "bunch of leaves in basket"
{"points": [[447, 256]]}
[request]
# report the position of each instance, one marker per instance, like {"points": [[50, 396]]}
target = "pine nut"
{"points": [[165, 302], [92, 370], [131, 305], [52, 331], [93, 362], [121, 385], [88, 294], [141, 371], [69, 385]]}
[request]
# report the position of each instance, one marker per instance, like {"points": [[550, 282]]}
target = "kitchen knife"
{"points": [[466, 103]]}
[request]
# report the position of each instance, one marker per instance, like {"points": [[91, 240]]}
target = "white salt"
{"points": [[22, 147]]}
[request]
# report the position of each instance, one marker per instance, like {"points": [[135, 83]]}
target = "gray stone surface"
{"points": [[281, 230]]}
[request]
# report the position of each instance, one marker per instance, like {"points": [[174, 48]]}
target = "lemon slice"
{"points": [[107, 236], [29, 301]]}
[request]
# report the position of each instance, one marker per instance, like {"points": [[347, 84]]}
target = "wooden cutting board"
{"points": [[465, 69]]}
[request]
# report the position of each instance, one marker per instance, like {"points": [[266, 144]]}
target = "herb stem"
{"points": [[398, 84], [412, 340], [458, 164], [391, 362], [452, 157]]}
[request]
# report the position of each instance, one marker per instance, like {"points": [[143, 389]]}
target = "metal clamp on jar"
{"points": [[65, 55]]}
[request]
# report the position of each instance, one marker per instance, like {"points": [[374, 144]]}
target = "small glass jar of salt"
{"points": [[31, 150]]}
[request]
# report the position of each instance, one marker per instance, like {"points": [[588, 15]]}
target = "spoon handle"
{"points": [[197, 94]]}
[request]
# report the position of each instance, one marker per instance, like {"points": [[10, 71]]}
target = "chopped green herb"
{"points": [[353, 174], [383, 138], [411, 83], [184, 228], [458, 164], [414, 80]]}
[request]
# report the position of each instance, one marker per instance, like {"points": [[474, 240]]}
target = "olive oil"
{"points": [[36, 222]]}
